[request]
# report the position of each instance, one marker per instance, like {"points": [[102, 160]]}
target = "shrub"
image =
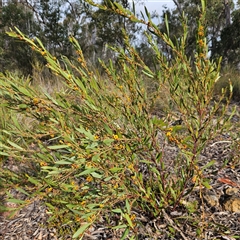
{"points": [[94, 150]]}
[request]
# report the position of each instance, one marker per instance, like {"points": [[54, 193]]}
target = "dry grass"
{"points": [[229, 73]]}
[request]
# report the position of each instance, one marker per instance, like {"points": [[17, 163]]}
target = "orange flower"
{"points": [[201, 43], [36, 101], [89, 179], [115, 137]]}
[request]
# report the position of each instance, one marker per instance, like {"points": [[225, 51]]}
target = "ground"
{"points": [[213, 214]]}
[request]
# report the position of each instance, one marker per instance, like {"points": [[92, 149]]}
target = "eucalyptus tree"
{"points": [[218, 16], [229, 43], [108, 28], [49, 16]]}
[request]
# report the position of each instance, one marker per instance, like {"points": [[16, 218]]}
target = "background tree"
{"points": [[217, 18], [107, 26], [51, 31], [53, 21], [14, 54], [229, 43]]}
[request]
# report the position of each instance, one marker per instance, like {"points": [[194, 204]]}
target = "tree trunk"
{"points": [[227, 12], [178, 6]]}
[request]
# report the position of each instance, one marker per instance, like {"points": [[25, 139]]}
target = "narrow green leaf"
{"points": [[118, 210], [147, 13], [15, 145], [4, 154], [88, 134], [80, 85], [206, 184], [81, 230], [55, 147], [50, 206], [92, 145], [203, 5], [54, 173], [108, 141], [108, 129], [96, 175], [23, 191], [54, 64], [133, 7], [143, 17], [91, 105], [119, 6], [16, 122], [107, 179], [148, 74], [120, 226], [34, 181], [13, 200], [96, 157], [63, 162], [93, 206], [115, 169], [12, 34], [173, 193], [128, 207], [23, 106], [51, 98], [12, 213], [166, 24], [128, 220], [5, 131], [25, 91], [124, 236], [208, 164], [49, 168], [159, 157], [40, 43], [87, 171], [61, 201], [230, 87]]}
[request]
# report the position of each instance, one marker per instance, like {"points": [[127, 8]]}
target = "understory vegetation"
{"points": [[90, 145]]}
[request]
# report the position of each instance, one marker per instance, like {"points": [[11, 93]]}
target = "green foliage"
{"points": [[87, 150]]}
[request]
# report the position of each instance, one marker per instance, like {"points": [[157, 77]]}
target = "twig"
{"points": [[171, 222], [219, 142]]}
